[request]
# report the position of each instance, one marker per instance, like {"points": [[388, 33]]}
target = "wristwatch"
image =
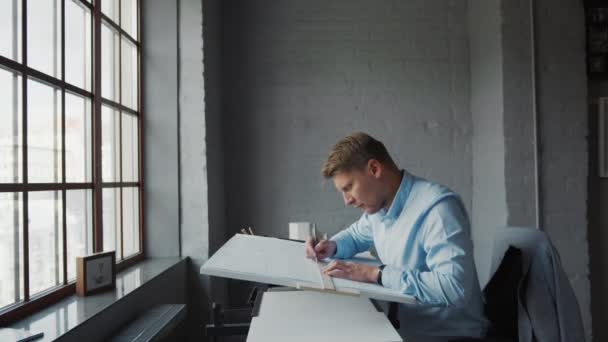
{"points": [[380, 268]]}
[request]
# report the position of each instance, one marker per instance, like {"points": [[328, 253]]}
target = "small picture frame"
{"points": [[95, 273]]}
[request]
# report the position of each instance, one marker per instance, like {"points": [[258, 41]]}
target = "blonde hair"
{"points": [[353, 152]]}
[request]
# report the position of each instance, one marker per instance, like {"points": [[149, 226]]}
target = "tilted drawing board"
{"points": [[283, 262]]}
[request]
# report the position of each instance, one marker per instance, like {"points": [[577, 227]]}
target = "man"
{"points": [[420, 231]]}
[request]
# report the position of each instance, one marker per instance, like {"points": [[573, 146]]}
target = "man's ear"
{"points": [[375, 168]]}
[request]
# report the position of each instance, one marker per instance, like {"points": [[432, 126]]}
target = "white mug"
{"points": [[299, 230]]}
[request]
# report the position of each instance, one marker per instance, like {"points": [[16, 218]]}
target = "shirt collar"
{"points": [[400, 197]]}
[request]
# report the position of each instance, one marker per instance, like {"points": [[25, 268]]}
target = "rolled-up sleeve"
{"points": [[354, 239], [448, 247]]}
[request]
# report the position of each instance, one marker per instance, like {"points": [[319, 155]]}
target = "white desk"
{"points": [[314, 316]]}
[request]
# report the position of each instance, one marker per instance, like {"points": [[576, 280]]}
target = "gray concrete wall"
{"points": [[504, 122], [175, 138], [195, 231], [194, 215], [215, 137], [562, 110], [489, 194], [297, 76], [519, 117], [160, 128], [214, 122]]}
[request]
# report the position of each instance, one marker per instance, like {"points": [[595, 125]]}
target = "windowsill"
{"points": [[67, 314]]}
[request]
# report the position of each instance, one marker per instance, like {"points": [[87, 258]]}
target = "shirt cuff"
{"points": [[391, 277], [342, 246]]}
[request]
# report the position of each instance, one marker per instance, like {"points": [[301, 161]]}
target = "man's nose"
{"points": [[348, 200]]}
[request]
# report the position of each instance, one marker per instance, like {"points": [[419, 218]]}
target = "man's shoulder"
{"points": [[425, 195], [424, 188]]}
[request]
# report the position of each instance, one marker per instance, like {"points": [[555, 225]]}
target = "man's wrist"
{"points": [[379, 275], [375, 274]]}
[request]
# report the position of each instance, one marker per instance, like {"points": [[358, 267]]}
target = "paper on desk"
{"points": [[264, 259], [282, 262]]}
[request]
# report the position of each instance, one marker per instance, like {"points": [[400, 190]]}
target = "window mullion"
{"points": [[120, 161], [140, 133], [97, 189], [57, 97], [15, 86], [26, 273], [64, 207]]}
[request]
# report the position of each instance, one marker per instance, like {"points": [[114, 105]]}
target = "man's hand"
{"points": [[352, 271], [323, 249]]}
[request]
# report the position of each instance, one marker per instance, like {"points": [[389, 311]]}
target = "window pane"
{"points": [[110, 142], [77, 139], [45, 240], [128, 20], [129, 148], [129, 74], [11, 251], [10, 29], [44, 36], [79, 226], [111, 221], [11, 127], [109, 63], [110, 8], [78, 43], [130, 221], [44, 133]]}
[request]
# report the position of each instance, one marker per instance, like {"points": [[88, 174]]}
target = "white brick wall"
{"points": [[301, 74]]}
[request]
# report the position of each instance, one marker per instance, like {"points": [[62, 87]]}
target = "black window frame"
{"points": [[30, 304]]}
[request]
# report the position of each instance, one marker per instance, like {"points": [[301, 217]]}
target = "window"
{"points": [[70, 146]]}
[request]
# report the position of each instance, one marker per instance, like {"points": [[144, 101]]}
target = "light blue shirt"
{"points": [[424, 240]]}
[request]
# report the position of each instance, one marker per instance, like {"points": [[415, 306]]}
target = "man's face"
{"points": [[360, 188]]}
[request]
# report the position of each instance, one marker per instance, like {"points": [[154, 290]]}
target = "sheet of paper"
{"points": [[256, 256]]}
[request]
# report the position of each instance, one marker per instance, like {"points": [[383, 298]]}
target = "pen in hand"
{"points": [[313, 237], [319, 248]]}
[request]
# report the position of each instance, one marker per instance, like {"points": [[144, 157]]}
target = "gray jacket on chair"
{"points": [[547, 307]]}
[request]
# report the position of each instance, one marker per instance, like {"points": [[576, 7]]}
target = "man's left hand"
{"points": [[352, 271]]}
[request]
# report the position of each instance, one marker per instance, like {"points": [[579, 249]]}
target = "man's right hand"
{"points": [[323, 249]]}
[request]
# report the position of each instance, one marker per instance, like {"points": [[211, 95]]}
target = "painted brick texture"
{"points": [[300, 75]]}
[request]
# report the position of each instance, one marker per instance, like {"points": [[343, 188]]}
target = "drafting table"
{"points": [[282, 262]]}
